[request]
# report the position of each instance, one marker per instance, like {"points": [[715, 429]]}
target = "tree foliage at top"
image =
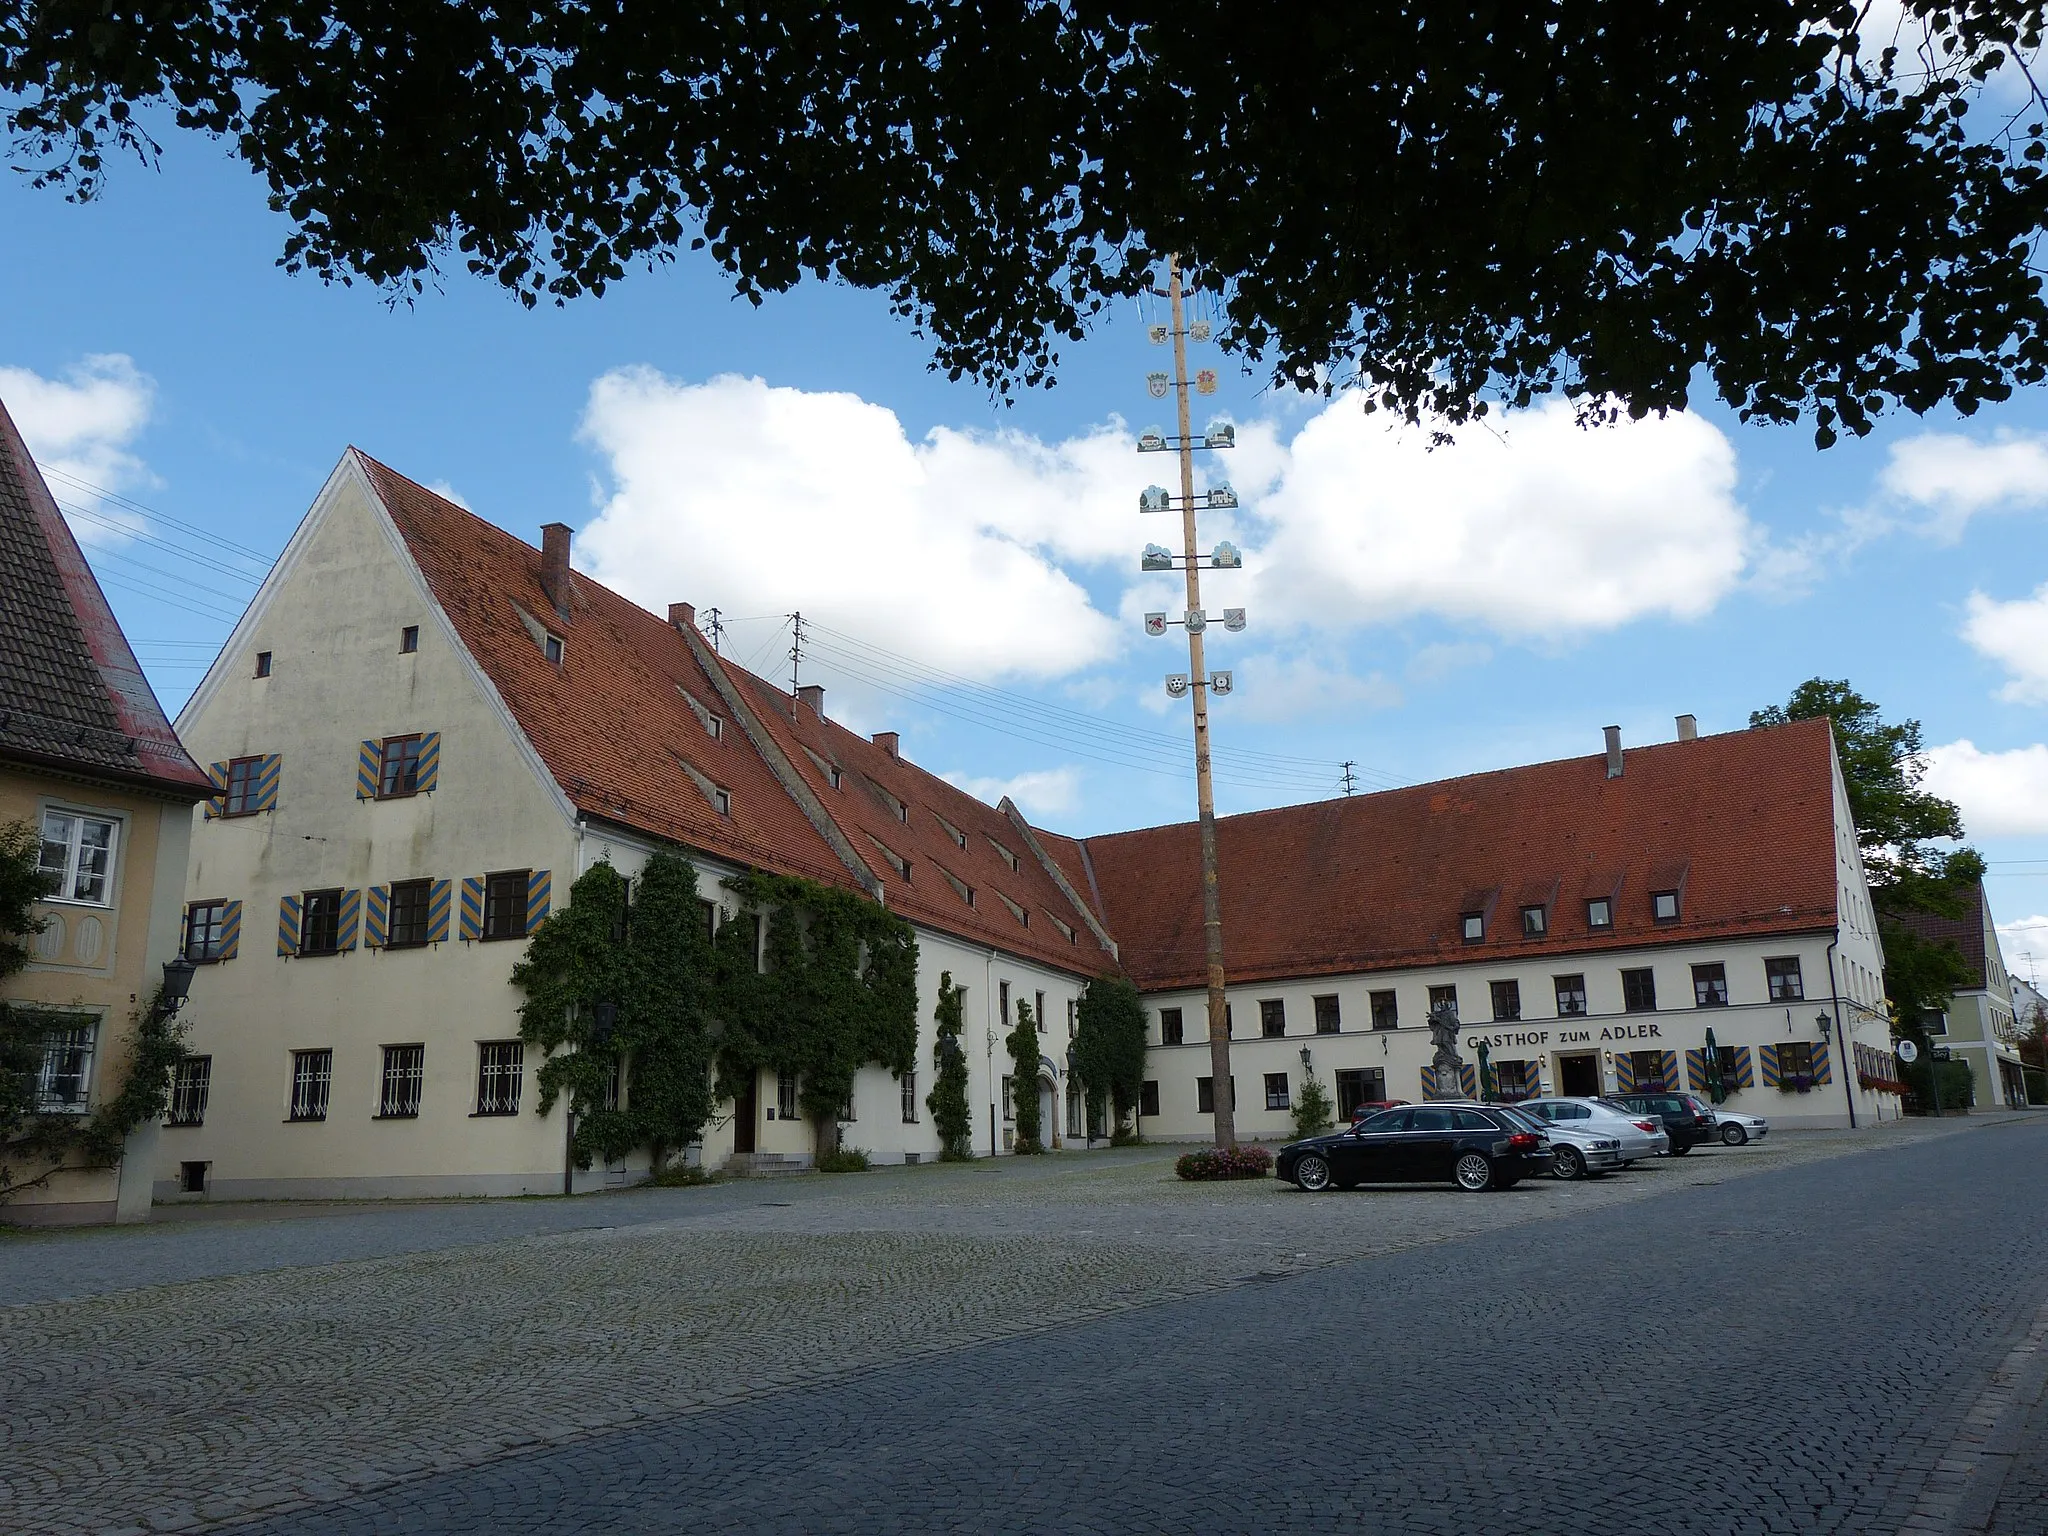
{"points": [[1109, 1045], [1818, 210], [1882, 767]]}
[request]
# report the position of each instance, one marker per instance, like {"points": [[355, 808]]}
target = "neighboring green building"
{"points": [[1981, 1026]]}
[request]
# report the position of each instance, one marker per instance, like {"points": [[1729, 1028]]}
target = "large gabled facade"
{"points": [[420, 734]]}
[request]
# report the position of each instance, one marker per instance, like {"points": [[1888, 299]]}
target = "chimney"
{"points": [[888, 741], [1688, 728], [813, 694], [682, 615], [554, 565], [1614, 751]]}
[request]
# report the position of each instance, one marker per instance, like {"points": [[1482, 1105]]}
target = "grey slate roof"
{"points": [[71, 693]]}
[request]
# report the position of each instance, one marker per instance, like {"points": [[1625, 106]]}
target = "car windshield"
{"points": [[1385, 1120]]}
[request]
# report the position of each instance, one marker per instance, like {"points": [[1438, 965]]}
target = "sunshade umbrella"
{"points": [[1715, 1090], [1488, 1088]]}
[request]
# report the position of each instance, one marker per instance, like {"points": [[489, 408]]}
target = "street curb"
{"points": [[1962, 1492]]}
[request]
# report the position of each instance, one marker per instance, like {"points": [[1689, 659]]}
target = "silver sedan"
{"points": [[1735, 1129], [1640, 1136], [1578, 1149]]}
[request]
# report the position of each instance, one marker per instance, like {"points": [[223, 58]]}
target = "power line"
{"points": [[104, 494]]}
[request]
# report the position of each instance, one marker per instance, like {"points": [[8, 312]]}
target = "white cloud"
{"points": [[2015, 634], [447, 492], [1955, 477], [1999, 793], [1043, 792], [2024, 943], [766, 499], [1293, 685], [1543, 529], [80, 428]]}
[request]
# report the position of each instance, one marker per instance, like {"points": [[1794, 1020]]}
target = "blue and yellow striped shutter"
{"points": [[1670, 1083], [350, 919], [369, 769], [1624, 1072], [217, 802], [538, 886], [268, 772], [231, 931], [438, 903], [1821, 1063], [1468, 1077], [1769, 1053], [1745, 1075], [288, 925], [376, 916], [472, 906], [430, 762], [1696, 1071]]}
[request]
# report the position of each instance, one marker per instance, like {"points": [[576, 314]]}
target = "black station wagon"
{"points": [[1475, 1146]]}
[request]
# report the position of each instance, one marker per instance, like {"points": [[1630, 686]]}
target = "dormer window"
{"points": [[959, 837], [833, 774], [1535, 922], [551, 647], [721, 799], [1664, 906], [1599, 913], [1474, 927], [1003, 853]]}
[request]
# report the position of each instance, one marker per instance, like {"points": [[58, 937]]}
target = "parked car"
{"points": [[1736, 1128], [1373, 1107], [1577, 1150], [1475, 1146], [1687, 1120], [1640, 1135]]}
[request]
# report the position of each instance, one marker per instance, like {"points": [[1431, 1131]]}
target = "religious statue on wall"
{"points": [[1446, 1067]]}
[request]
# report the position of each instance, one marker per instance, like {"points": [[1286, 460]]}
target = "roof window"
{"points": [[1016, 911], [896, 860], [960, 887], [1066, 929], [714, 725], [1664, 906], [1599, 913], [551, 647], [959, 837], [1006, 856], [1535, 922], [1473, 925]]}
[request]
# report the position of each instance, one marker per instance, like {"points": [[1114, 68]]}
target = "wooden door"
{"points": [[746, 1109]]}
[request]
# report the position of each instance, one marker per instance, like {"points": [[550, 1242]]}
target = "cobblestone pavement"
{"points": [[1004, 1348]]}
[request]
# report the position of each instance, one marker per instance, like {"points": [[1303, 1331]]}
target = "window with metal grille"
{"points": [[1386, 1012], [505, 904], [1329, 1020], [205, 930], [244, 788], [909, 1098], [1276, 1090], [312, 1074], [1010, 1099], [189, 1081], [1272, 1017], [1639, 990], [64, 1075], [1506, 997], [77, 857], [615, 1084], [1788, 985], [320, 923], [500, 1066], [408, 918], [785, 1095], [401, 768], [1148, 1097], [1571, 995], [1170, 1026], [405, 1070], [1710, 986]]}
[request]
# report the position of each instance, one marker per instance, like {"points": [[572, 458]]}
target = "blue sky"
{"points": [[1420, 614]]}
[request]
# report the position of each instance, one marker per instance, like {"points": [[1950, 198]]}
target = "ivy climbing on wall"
{"points": [[1109, 1047], [948, 1099], [1024, 1052]]}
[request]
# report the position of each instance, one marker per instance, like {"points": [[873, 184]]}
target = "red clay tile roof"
{"points": [[610, 722], [1744, 821], [1966, 933], [71, 693]]}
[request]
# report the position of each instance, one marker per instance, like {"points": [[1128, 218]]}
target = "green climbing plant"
{"points": [[1109, 1047], [947, 1101], [1024, 1052]]}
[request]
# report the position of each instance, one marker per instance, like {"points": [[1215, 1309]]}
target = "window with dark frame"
{"points": [[1148, 1097], [1639, 990], [1170, 1026], [1205, 1095], [1506, 997], [189, 1083], [1003, 1002], [244, 787], [1788, 983], [505, 903], [552, 649], [1386, 1012], [1730, 1059], [1272, 1018], [1647, 1069], [205, 931], [1038, 1011], [1535, 922], [1664, 906], [320, 923], [1276, 1090], [500, 1067], [263, 663], [910, 1098], [1009, 1098], [400, 773], [312, 1074], [405, 1071], [1710, 986], [1359, 1085], [1795, 1059], [1443, 996], [785, 1095], [709, 911], [409, 638], [1473, 926], [1599, 913], [406, 927], [1329, 1018], [1571, 995]]}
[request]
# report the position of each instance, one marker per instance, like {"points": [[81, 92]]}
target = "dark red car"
{"points": [[1373, 1107]]}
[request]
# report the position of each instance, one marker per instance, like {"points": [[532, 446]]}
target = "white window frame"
{"points": [[68, 874]]}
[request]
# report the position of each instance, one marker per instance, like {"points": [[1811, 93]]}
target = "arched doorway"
{"points": [[1048, 1111]]}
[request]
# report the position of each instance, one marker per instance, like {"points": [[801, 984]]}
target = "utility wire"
{"points": [[104, 494]]}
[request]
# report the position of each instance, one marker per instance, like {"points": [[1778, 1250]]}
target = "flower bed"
{"points": [[1218, 1163]]}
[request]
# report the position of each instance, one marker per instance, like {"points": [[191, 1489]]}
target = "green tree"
{"points": [[947, 1101], [22, 885], [1313, 1111], [1023, 1047], [1811, 208], [1109, 1046]]}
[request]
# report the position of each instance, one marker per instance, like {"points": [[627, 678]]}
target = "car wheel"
{"points": [[1473, 1172], [1734, 1135], [1568, 1163], [1312, 1173], [1680, 1148]]}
